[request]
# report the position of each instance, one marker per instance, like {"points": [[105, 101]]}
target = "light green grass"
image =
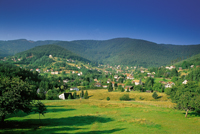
{"points": [[101, 116]]}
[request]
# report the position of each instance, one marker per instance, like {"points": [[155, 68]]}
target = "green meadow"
{"points": [[95, 115]]}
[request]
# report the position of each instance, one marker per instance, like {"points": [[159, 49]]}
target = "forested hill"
{"points": [[40, 55], [130, 51], [194, 60], [12, 47], [124, 51]]}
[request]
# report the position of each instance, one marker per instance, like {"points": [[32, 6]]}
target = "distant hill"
{"points": [[130, 51], [40, 55], [116, 51], [194, 60], [12, 47]]}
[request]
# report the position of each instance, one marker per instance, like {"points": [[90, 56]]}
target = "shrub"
{"points": [[108, 98], [125, 97], [141, 98], [155, 95]]}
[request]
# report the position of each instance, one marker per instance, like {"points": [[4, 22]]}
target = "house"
{"points": [[129, 88], [185, 82], [192, 66], [56, 72], [64, 96], [141, 70], [169, 85], [116, 76], [105, 86], [118, 84], [38, 70], [95, 80], [137, 82], [65, 81], [97, 85], [113, 84], [52, 72], [163, 82], [171, 67], [129, 76], [74, 89], [108, 81], [50, 56]]}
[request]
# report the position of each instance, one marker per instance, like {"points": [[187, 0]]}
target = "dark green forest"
{"points": [[118, 51]]}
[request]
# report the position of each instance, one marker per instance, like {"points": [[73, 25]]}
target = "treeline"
{"points": [[38, 83]]}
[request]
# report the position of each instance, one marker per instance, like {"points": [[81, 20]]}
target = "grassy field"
{"points": [[97, 115]]}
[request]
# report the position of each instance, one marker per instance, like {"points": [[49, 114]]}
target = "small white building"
{"points": [[185, 82], [74, 88], [62, 96]]}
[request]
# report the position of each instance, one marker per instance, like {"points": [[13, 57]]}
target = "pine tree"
{"points": [[155, 95], [69, 97], [74, 95], [82, 93], [86, 95], [110, 88]]}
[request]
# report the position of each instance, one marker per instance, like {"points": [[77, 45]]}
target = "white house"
{"points": [[74, 88], [185, 82], [169, 85], [62, 96]]}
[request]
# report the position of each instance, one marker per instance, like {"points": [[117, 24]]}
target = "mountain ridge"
{"points": [[124, 51]]}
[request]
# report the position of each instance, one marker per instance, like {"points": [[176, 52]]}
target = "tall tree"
{"points": [[15, 95]]}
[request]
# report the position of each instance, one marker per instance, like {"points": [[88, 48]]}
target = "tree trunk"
{"points": [[186, 113]]}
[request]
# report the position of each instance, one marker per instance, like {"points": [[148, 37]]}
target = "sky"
{"points": [[160, 21]]}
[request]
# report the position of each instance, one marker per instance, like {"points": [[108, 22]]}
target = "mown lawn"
{"points": [[101, 116]]}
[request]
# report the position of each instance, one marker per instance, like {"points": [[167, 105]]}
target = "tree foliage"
{"points": [[187, 97], [15, 95]]}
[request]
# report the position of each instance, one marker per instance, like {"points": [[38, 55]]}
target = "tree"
{"points": [[40, 108], [155, 95], [86, 95], [187, 97], [108, 98], [110, 88], [15, 95], [74, 95], [82, 93], [69, 97]]}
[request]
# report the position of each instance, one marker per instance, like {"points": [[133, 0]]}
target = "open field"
{"points": [[96, 115]]}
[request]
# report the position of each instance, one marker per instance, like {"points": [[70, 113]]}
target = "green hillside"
{"points": [[12, 47], [124, 51], [194, 60], [130, 51], [40, 55]]}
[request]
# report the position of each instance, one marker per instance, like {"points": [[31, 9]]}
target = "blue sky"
{"points": [[160, 21]]}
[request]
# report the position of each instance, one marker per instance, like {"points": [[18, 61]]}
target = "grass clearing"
{"points": [[102, 116]]}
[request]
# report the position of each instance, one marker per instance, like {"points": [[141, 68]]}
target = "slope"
{"points": [[40, 55], [15, 46], [130, 51]]}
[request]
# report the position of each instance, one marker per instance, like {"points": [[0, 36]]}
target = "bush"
{"points": [[108, 98], [155, 95], [125, 97], [141, 98]]}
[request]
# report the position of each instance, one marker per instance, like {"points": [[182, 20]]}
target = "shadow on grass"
{"points": [[49, 109], [159, 97], [70, 121], [102, 131]]}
